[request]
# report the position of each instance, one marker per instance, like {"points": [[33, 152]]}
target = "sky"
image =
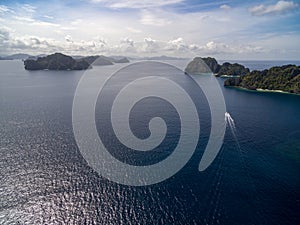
{"points": [[225, 29]]}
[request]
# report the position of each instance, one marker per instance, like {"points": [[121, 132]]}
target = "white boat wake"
{"points": [[230, 122]]}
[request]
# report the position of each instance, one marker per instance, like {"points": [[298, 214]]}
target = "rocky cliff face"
{"points": [[212, 64], [209, 64], [197, 66], [56, 61]]}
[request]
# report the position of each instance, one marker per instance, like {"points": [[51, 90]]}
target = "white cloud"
{"points": [[150, 45], [100, 41], [136, 4], [76, 22], [24, 19], [4, 35], [149, 18], [68, 38], [4, 9], [225, 7], [280, 7], [127, 41], [43, 23], [177, 41], [219, 48], [48, 17], [66, 28], [150, 40], [222, 31], [133, 30], [30, 43], [177, 45], [28, 8]]}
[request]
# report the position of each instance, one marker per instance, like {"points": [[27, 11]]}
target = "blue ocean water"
{"points": [[45, 180]]}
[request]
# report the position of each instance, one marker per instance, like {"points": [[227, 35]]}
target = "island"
{"points": [[234, 69], [98, 60], [4, 58], [59, 61], [122, 60], [18, 56], [201, 65], [278, 79], [205, 65], [162, 57], [56, 61], [101, 60]]}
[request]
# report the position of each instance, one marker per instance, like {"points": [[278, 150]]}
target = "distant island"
{"points": [[59, 61], [279, 78], [101, 60], [19, 56], [162, 57], [4, 58]]}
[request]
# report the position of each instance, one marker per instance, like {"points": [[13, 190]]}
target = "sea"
{"points": [[44, 178]]}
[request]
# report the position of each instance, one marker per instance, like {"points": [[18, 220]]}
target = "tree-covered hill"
{"points": [[285, 78]]}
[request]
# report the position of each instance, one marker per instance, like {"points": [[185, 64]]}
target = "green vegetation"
{"points": [[234, 69], [56, 61], [60, 61], [285, 78]]}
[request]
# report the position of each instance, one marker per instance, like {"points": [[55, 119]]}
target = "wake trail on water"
{"points": [[215, 194], [231, 124]]}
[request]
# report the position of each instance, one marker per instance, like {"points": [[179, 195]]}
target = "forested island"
{"points": [[279, 78], [59, 61], [56, 61]]}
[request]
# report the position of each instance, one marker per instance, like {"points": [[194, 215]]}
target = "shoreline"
{"points": [[276, 91], [263, 90], [229, 76]]}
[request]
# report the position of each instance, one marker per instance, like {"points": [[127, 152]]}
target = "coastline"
{"points": [[268, 90], [262, 90], [230, 76]]}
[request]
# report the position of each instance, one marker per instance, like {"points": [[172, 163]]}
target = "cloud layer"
{"points": [[281, 7], [145, 28], [136, 4]]}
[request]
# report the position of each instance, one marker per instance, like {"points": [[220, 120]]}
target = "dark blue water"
{"points": [[45, 180]]}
